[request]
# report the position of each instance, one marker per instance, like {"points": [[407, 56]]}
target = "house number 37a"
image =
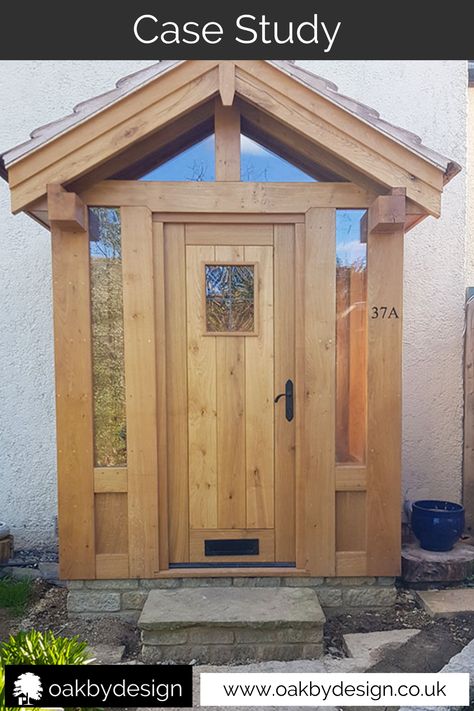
{"points": [[384, 312]]}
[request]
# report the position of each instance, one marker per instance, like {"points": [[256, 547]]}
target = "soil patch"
{"points": [[428, 651], [47, 611]]}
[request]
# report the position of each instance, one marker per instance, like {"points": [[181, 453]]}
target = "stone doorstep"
{"points": [[221, 626], [234, 607]]}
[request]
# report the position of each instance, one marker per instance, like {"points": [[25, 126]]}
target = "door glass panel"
{"points": [[110, 439], [230, 298], [351, 336]]}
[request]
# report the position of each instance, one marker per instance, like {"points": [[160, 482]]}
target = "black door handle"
{"points": [[288, 395]]}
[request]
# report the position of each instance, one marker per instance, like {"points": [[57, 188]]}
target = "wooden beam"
{"points": [[227, 142], [227, 82], [387, 213], [140, 385], [65, 210], [384, 405], [228, 197], [319, 455], [74, 422]]}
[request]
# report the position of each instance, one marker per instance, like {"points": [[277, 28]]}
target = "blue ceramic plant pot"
{"points": [[437, 524]]}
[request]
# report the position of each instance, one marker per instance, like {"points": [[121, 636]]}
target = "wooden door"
{"points": [[230, 294]]}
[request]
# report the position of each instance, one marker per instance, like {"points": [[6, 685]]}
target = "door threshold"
{"points": [[227, 565], [231, 572]]}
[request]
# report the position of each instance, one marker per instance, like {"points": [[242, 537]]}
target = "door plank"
{"points": [[140, 385], [259, 393], [230, 365], [284, 315], [319, 440], [177, 398], [231, 234], [202, 419], [161, 389]]}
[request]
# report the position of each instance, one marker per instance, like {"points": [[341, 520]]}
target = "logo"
{"points": [[98, 686], [28, 688]]}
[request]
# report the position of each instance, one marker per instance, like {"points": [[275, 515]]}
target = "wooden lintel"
{"points": [[65, 210], [387, 213], [227, 82]]}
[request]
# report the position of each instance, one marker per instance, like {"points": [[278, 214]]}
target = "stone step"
{"points": [[231, 625]]}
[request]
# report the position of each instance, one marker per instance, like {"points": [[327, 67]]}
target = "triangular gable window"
{"points": [[258, 164], [195, 163]]}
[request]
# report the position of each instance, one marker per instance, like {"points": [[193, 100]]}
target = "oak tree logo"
{"points": [[27, 689]]}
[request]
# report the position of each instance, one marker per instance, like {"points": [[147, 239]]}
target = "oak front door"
{"points": [[231, 295]]}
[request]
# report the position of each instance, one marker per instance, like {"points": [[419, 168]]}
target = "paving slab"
{"points": [[371, 646], [447, 603], [231, 607], [107, 653]]}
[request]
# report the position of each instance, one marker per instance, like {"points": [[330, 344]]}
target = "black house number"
{"points": [[384, 312]]}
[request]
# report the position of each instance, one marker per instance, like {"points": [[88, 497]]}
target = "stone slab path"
{"points": [[371, 646], [447, 603]]}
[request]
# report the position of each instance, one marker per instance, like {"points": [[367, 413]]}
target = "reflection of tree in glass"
{"points": [[107, 337], [198, 171]]}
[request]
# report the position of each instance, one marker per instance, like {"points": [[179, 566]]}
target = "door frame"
{"points": [[315, 261], [311, 208]]}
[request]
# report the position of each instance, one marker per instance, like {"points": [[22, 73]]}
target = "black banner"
{"points": [[96, 686], [322, 29]]}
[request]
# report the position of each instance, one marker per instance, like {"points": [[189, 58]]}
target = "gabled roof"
{"points": [[251, 77], [126, 85]]}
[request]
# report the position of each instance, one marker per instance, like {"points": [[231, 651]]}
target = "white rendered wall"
{"points": [[429, 98], [470, 191]]}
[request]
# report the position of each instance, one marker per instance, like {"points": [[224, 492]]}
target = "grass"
{"points": [[15, 594]]}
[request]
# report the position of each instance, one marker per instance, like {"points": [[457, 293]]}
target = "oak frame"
{"points": [[310, 208], [344, 478]]}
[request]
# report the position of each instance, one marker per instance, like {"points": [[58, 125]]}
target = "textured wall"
{"points": [[470, 192], [426, 97]]}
